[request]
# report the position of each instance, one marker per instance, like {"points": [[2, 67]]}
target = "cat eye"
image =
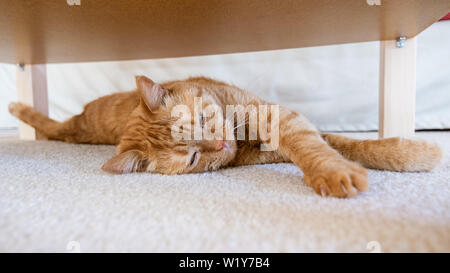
{"points": [[193, 159], [201, 119]]}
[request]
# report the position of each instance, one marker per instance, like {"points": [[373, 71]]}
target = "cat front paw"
{"points": [[341, 180], [16, 108]]}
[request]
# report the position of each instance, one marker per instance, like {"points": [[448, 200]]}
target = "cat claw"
{"points": [[324, 190]]}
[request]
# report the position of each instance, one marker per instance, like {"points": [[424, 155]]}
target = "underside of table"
{"points": [[36, 32]]}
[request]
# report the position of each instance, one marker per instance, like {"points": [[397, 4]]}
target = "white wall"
{"points": [[7, 94]]}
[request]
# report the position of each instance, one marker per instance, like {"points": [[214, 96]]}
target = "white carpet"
{"points": [[52, 193]]}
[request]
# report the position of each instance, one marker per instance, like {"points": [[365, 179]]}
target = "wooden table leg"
{"points": [[397, 88], [32, 90]]}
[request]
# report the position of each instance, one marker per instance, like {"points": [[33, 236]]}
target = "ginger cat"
{"points": [[140, 124]]}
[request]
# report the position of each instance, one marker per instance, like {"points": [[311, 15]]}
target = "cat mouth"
{"points": [[224, 145], [227, 147]]}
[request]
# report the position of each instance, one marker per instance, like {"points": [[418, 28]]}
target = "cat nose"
{"points": [[221, 144]]}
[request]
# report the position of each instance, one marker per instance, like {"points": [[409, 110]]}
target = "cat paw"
{"points": [[345, 180], [15, 108]]}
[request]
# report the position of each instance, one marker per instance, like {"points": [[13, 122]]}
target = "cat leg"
{"points": [[64, 131], [295, 138], [327, 171], [251, 155], [394, 154]]}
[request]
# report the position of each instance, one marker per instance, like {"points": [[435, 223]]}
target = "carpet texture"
{"points": [[54, 197]]}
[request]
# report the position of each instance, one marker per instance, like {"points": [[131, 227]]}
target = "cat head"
{"points": [[149, 144]]}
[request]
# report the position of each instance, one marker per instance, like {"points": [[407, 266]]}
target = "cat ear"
{"points": [[127, 162], [152, 93]]}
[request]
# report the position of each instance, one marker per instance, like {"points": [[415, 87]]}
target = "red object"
{"points": [[446, 17]]}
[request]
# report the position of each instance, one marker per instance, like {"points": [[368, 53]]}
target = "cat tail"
{"points": [[394, 154], [48, 127]]}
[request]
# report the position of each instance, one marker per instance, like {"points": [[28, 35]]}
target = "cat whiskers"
{"points": [[242, 124]]}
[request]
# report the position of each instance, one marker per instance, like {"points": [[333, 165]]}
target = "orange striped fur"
{"points": [[139, 123]]}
